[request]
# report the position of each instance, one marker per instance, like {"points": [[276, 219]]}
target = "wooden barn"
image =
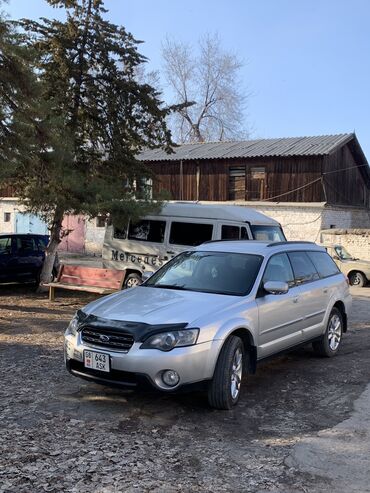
{"points": [[329, 168]]}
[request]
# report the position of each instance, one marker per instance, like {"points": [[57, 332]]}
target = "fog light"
{"points": [[170, 378]]}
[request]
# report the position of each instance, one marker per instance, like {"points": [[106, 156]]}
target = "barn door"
{"points": [[237, 183], [257, 183], [74, 242], [29, 223]]}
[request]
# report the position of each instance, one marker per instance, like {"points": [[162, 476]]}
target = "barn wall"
{"points": [[282, 176], [345, 187]]}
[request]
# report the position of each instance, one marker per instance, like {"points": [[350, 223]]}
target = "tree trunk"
{"points": [[51, 250]]}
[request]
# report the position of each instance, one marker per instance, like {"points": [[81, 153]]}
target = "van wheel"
{"points": [[224, 389], [132, 280], [329, 344], [357, 279]]}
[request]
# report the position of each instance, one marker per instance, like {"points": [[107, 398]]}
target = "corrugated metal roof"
{"points": [[290, 146]]}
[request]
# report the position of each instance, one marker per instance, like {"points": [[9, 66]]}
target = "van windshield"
{"points": [[209, 272], [267, 233]]}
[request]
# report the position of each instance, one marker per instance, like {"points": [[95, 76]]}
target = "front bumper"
{"points": [[144, 367]]}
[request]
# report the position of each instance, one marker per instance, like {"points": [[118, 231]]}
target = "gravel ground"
{"points": [[61, 434]]}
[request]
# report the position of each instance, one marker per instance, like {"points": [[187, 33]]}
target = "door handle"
{"points": [[325, 290], [295, 299]]}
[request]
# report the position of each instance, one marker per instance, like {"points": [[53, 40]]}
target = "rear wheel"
{"points": [[132, 280], [329, 344], [357, 279], [224, 389]]}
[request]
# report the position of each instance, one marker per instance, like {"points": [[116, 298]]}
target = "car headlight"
{"points": [[166, 341], [73, 326]]}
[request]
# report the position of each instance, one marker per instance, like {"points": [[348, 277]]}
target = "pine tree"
{"points": [[94, 117]]}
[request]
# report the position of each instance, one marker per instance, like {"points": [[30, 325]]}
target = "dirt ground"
{"points": [[62, 434]]}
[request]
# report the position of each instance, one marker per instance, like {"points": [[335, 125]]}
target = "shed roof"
{"points": [[290, 146]]}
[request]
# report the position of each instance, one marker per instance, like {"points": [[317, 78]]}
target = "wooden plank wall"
{"points": [[346, 187], [283, 175]]}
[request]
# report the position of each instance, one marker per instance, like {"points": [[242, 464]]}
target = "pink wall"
{"points": [[75, 241]]}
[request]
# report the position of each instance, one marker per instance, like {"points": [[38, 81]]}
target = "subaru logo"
{"points": [[104, 338]]}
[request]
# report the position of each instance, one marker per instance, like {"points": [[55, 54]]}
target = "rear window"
{"points": [[324, 264], [190, 234], [304, 270]]}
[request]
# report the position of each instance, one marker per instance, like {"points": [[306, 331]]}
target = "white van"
{"points": [[150, 243]]}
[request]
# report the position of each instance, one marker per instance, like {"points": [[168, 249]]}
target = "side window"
{"points": [[191, 234], [26, 245], [303, 268], [5, 245], [279, 269], [147, 230], [324, 264], [42, 243], [244, 234], [230, 232], [119, 234]]}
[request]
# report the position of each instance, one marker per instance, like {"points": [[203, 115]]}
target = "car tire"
{"points": [[132, 280], [224, 388], [329, 344], [357, 279]]}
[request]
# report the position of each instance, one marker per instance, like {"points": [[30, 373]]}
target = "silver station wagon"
{"points": [[209, 316]]}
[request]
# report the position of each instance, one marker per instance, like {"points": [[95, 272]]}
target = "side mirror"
{"points": [[335, 257], [276, 287], [145, 276]]}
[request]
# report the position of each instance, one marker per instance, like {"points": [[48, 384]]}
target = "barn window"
{"points": [[237, 183], [257, 183]]}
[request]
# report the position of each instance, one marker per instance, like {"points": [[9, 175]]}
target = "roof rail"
{"points": [[277, 243]]}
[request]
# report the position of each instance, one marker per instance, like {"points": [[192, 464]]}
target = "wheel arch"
{"points": [[245, 334], [341, 307]]}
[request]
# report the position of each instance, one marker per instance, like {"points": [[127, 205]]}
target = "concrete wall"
{"points": [[94, 237], [356, 241], [8, 205]]}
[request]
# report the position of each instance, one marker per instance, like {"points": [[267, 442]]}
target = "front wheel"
{"points": [[132, 280], [329, 344], [357, 279], [224, 389]]}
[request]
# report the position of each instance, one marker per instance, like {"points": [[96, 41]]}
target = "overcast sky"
{"points": [[307, 62]]}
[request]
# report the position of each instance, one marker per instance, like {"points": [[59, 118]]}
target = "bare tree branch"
{"points": [[210, 80]]}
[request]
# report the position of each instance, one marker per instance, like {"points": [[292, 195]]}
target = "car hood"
{"points": [[158, 305], [363, 265]]}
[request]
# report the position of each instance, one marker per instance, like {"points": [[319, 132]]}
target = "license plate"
{"points": [[96, 361]]}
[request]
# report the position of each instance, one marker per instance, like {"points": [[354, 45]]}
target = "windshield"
{"points": [[342, 253], [267, 233], [209, 272]]}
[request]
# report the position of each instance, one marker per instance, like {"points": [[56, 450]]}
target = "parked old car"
{"points": [[211, 315], [357, 270], [22, 257]]}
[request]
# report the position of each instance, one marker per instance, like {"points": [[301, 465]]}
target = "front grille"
{"points": [[107, 338]]}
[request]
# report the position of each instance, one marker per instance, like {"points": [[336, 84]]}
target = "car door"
{"points": [[6, 258], [27, 258], [314, 294], [280, 320]]}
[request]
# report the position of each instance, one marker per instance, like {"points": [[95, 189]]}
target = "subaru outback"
{"points": [[210, 316]]}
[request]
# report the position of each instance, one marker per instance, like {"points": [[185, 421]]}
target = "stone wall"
{"points": [[356, 241], [94, 237]]}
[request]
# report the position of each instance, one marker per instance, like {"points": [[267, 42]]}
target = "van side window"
{"points": [[190, 234], [230, 232], [303, 268], [120, 234], [147, 230]]}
